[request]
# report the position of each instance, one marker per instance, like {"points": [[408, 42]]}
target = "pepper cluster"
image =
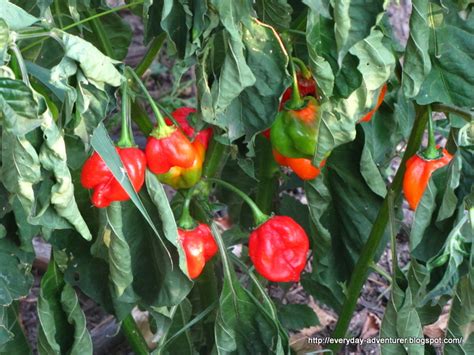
{"points": [[175, 154]]}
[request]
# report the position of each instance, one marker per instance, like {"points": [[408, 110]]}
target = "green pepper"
{"points": [[294, 131]]}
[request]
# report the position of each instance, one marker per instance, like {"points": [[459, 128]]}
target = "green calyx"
{"points": [[161, 132], [294, 132]]}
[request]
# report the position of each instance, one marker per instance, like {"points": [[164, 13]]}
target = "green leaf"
{"points": [[170, 229], [243, 100], [417, 63], [343, 207], [454, 251], [12, 337], [18, 109], [53, 158], [242, 323], [297, 316], [317, 38], [353, 21], [119, 252], [376, 61], [461, 317], [15, 16], [62, 324], [97, 67], [452, 56], [4, 40], [276, 13], [111, 34], [15, 276]]}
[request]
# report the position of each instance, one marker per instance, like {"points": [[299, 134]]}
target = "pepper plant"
{"points": [[324, 89]]}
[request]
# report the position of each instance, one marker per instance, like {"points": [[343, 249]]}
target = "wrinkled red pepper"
{"points": [[199, 246], [96, 175], [163, 151], [278, 248]]}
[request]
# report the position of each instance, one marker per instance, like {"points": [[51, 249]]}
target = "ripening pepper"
{"points": [[294, 132], [199, 246], [368, 116], [302, 167], [184, 178], [167, 148], [418, 173], [278, 248], [96, 175]]}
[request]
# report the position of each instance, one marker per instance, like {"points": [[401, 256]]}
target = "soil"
{"points": [[375, 294]]}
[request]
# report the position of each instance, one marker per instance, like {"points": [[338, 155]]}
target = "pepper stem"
{"points": [[186, 221], [296, 101], [163, 130], [431, 152], [303, 68], [258, 215], [126, 136]]}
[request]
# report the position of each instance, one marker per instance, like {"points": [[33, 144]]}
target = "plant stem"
{"points": [[186, 221], [368, 251], [258, 215], [151, 53], [140, 117], [430, 152], [87, 19], [21, 63], [302, 67], [126, 136], [216, 157], [295, 102], [466, 115], [134, 336], [267, 175], [163, 129], [111, 11]]}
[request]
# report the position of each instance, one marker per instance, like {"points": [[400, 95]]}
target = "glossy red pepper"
{"points": [[180, 115], [278, 248], [368, 116], [418, 173], [199, 246], [164, 152], [96, 175], [302, 167]]}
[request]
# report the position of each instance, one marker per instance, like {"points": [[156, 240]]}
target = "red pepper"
{"points": [[96, 175], [179, 177], [368, 116], [168, 150], [199, 246], [302, 167], [418, 173], [180, 115], [278, 248]]}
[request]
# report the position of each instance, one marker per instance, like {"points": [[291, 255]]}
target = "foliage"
{"points": [[61, 73]]}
